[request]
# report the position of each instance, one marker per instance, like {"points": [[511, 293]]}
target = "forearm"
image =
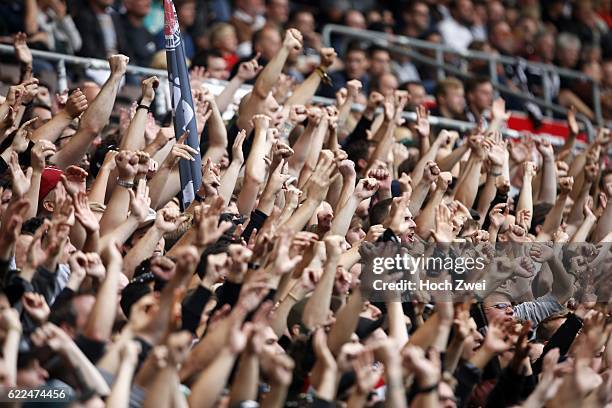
{"points": [[525, 201], [228, 181], [225, 98], [92, 242], [417, 172], [133, 140], [216, 136], [576, 213], [102, 317], [116, 210], [397, 322], [395, 394], [584, 229], [52, 130], [89, 373], [317, 307], [304, 92], [161, 391], [92, 122], [487, 194], [447, 163], [301, 149], [347, 319], [97, 193], [248, 195], [425, 335], [121, 233], [30, 22], [32, 195], [270, 74], [314, 151], [562, 286], [468, 186], [245, 382], [482, 357], [350, 257], [548, 185], [604, 225], [554, 217], [302, 215], [120, 393], [384, 145], [425, 221], [348, 187], [157, 186], [342, 221], [210, 383], [419, 194], [10, 350]]}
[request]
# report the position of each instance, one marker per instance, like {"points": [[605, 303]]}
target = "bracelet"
{"points": [[125, 184], [325, 78], [141, 106], [426, 390]]}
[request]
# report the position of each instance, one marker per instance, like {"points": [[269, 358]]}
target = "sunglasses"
{"points": [[501, 306]]}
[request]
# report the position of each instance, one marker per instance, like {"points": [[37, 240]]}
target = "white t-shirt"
{"points": [[455, 35]]}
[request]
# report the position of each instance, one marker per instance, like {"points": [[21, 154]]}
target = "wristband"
{"points": [[426, 390], [198, 198], [325, 78], [141, 106], [125, 184]]}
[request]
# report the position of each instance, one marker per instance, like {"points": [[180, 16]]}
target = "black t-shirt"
{"points": [[141, 43]]}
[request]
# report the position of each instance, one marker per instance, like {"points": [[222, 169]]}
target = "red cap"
{"points": [[48, 180]]}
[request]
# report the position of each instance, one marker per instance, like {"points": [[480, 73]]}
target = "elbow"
{"points": [[255, 178]]}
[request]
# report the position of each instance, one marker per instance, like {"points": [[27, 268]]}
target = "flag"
{"points": [[183, 112]]}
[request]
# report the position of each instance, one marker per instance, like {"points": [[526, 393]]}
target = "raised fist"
{"points": [[118, 64]]}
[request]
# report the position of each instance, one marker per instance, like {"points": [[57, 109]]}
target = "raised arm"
{"points": [[120, 392], [134, 137], [268, 77], [304, 92], [95, 117], [548, 185], [102, 317], [317, 309], [118, 205], [255, 171], [246, 71], [51, 131]]}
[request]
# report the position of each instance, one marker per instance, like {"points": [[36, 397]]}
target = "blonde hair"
{"points": [[220, 30]]}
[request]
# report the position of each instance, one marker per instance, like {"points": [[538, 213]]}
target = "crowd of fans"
{"points": [[219, 34], [261, 290]]}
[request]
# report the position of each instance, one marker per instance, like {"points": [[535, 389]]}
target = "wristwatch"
{"points": [[125, 184]]}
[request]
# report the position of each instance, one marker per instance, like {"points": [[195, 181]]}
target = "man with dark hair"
{"points": [[416, 19], [101, 29], [355, 67], [457, 29], [141, 40], [479, 96], [380, 61], [417, 93], [213, 62]]}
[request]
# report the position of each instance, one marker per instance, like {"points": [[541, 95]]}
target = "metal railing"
{"points": [[60, 61], [407, 46]]}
